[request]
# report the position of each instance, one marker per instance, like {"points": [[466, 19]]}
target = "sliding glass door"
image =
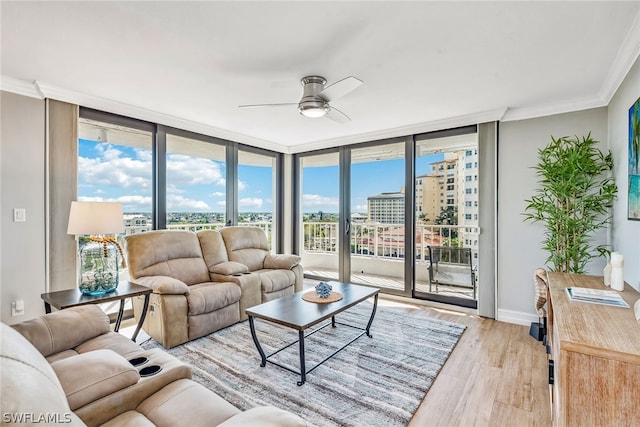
{"points": [[401, 215], [446, 218], [377, 216]]}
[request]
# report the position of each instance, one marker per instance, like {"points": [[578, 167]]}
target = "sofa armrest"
{"points": [[281, 261], [163, 285], [264, 416], [228, 268], [90, 376], [65, 329]]}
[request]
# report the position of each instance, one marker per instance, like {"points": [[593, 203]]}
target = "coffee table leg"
{"points": [[373, 313], [303, 368], [252, 327], [333, 321]]}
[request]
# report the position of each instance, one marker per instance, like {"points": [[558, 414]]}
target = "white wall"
{"points": [[519, 249], [22, 180], [625, 234]]}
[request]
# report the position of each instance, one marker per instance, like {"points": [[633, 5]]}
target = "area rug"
{"points": [[378, 381]]}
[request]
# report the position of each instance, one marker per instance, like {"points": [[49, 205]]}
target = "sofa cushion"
{"points": [[186, 403], [173, 253], [29, 384], [210, 296], [65, 329], [213, 249], [275, 280], [129, 418], [89, 376], [111, 341], [246, 245]]}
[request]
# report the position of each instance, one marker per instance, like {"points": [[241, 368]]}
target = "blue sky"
{"points": [[108, 172]]}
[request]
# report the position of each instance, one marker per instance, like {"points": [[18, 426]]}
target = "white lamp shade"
{"points": [[93, 218]]}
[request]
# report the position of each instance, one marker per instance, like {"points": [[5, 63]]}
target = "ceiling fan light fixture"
{"points": [[313, 109]]}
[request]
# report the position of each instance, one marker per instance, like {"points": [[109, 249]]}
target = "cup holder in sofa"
{"points": [[237, 275], [137, 361], [248, 272], [150, 370]]}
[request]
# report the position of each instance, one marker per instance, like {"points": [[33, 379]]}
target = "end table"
{"points": [[73, 298]]}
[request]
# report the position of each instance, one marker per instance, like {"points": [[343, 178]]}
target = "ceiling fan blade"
{"points": [[286, 104], [337, 116], [340, 88]]}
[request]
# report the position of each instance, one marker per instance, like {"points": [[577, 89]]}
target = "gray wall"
{"points": [[625, 234], [519, 252], [22, 180]]}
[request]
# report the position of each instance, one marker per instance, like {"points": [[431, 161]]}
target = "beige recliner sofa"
{"points": [[67, 368], [204, 281], [280, 274]]}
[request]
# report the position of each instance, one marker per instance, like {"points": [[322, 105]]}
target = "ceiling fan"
{"points": [[316, 98]]}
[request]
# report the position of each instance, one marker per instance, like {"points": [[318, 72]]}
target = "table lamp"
{"points": [[98, 258]]}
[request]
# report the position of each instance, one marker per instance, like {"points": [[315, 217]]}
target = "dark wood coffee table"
{"points": [[294, 312]]}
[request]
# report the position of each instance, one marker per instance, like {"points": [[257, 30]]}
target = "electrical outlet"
{"points": [[17, 308], [19, 215]]}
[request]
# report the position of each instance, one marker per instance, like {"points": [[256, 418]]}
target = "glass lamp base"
{"points": [[91, 289]]}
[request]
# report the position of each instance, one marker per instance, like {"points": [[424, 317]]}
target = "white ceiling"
{"points": [[425, 65]]}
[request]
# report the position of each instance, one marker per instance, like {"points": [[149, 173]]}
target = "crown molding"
{"points": [[627, 56], [20, 87], [449, 123], [523, 113], [41, 90]]}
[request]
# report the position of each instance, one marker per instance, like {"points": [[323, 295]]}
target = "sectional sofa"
{"points": [[67, 368]]}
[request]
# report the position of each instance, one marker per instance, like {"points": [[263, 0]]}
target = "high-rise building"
{"points": [[427, 198], [386, 208]]}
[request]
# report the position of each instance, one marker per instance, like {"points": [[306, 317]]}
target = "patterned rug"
{"points": [[377, 381]]}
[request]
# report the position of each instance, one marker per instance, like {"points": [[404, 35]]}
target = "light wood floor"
{"points": [[496, 375]]}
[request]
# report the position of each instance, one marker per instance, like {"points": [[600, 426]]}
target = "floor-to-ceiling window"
{"points": [[196, 188], [377, 215], [176, 179], [446, 216], [319, 207], [258, 195]]}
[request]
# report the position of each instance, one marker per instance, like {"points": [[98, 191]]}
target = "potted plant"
{"points": [[574, 200]]}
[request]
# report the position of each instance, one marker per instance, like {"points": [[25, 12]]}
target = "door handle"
{"points": [[347, 228]]}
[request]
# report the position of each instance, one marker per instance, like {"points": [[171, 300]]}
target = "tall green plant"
{"points": [[574, 200]]}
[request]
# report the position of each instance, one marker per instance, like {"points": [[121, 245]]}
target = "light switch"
{"points": [[19, 215]]}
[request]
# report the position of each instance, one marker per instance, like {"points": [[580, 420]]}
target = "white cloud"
{"points": [[359, 208], [114, 170], [250, 202], [185, 170], [311, 200], [242, 185], [217, 194], [177, 203], [130, 203]]}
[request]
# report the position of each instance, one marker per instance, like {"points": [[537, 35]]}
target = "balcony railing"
{"points": [[385, 241]]}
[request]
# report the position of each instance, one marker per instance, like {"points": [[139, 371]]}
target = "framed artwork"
{"points": [[634, 161]]}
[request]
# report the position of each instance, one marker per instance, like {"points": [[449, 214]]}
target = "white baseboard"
{"points": [[517, 317]]}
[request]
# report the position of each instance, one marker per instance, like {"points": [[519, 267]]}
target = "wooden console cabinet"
{"points": [[596, 356]]}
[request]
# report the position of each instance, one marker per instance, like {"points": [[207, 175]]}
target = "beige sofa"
{"points": [[280, 274], [67, 368], [204, 281]]}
